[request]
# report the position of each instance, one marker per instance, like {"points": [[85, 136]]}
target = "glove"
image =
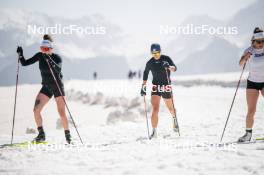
{"points": [[166, 64], [19, 51], [143, 90], [250, 50]]}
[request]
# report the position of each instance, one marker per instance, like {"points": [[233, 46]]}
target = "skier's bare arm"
{"points": [[244, 59]]}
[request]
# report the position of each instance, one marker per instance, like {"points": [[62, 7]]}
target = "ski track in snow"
{"points": [[120, 148]]}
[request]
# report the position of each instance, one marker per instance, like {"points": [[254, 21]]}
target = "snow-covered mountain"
{"points": [[110, 66], [215, 53], [218, 56], [85, 53], [16, 29], [104, 50], [246, 20], [183, 45]]}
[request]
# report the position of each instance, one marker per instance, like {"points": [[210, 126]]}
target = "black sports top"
{"points": [[158, 71], [55, 62]]}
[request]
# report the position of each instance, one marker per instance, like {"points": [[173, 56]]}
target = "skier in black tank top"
{"points": [[160, 66]]}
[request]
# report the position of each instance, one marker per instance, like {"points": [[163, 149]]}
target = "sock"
{"points": [[249, 130], [67, 132], [40, 129]]}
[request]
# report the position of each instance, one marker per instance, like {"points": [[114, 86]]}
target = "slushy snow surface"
{"points": [[111, 121]]}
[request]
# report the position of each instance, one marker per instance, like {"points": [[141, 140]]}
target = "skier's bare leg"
{"points": [[155, 101], [262, 92], [170, 106], [40, 102], [252, 99], [62, 113]]}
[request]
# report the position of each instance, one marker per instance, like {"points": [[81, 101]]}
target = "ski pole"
{"points": [[172, 100], [146, 115], [238, 84], [14, 111], [57, 84]]}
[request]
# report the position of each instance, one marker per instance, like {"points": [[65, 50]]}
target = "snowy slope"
{"points": [[118, 148], [217, 79]]}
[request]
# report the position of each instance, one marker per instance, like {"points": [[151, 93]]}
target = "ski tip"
{"points": [[22, 144], [260, 138]]}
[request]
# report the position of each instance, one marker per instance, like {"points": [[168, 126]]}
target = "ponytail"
{"points": [[47, 37], [257, 30]]}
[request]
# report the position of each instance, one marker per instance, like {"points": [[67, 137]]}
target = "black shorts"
{"points": [[52, 89], [161, 92], [165, 95], [255, 85]]}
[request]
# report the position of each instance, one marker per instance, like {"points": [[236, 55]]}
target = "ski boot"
{"points": [[153, 134], [41, 136], [68, 136], [246, 137]]}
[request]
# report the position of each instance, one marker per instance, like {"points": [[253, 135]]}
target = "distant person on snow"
{"points": [[130, 74], [160, 66], [139, 74], [254, 55], [134, 74], [95, 75], [49, 87]]}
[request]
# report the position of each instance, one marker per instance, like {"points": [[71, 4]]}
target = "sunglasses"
{"points": [[45, 49], [155, 53], [259, 41]]}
